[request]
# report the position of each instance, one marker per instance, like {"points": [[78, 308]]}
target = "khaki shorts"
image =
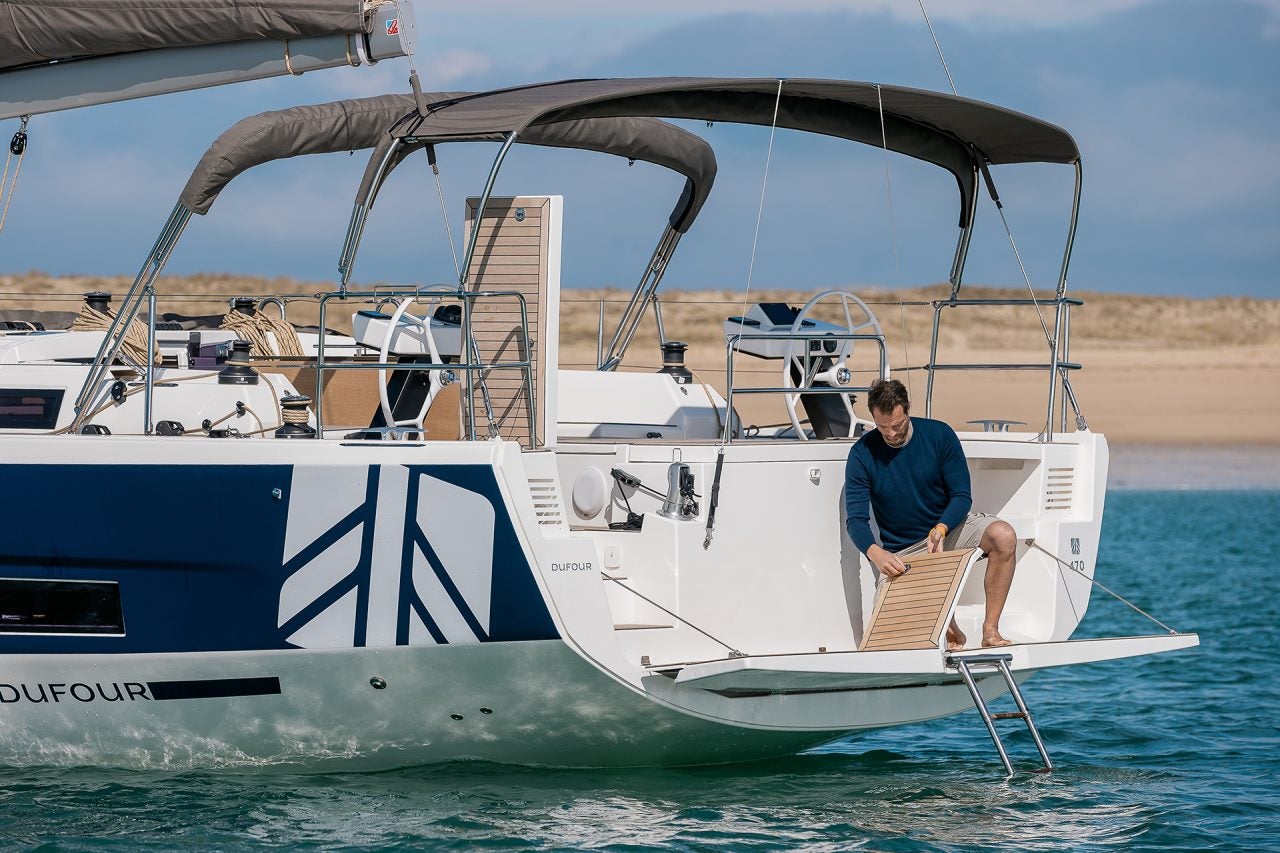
{"points": [[967, 535]]}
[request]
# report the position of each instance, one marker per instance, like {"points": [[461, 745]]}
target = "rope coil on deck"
{"points": [[254, 328], [133, 348]]}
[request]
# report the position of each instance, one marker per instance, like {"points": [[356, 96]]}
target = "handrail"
{"points": [[732, 343], [1058, 366], [470, 367]]}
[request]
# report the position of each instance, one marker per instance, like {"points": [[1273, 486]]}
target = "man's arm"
{"points": [[857, 501], [857, 516], [955, 476]]}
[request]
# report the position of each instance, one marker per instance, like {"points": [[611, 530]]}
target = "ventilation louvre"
{"points": [[547, 503], [1059, 488]]}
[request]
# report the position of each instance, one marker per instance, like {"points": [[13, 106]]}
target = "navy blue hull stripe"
{"points": [[214, 689]]}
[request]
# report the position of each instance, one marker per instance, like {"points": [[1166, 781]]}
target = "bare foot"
{"points": [[993, 637], [955, 638]]}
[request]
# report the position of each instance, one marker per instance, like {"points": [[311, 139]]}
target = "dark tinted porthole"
{"points": [[30, 408], [60, 607]]}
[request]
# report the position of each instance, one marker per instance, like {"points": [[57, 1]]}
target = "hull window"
{"points": [[60, 607], [29, 408]]}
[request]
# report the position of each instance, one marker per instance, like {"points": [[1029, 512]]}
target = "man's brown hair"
{"points": [[886, 395]]}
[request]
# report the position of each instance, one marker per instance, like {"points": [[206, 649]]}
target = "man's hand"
{"points": [[888, 564], [936, 536]]}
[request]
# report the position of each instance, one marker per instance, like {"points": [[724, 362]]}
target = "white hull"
{"points": [[605, 693]]}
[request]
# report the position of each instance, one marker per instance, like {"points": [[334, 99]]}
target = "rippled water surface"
{"points": [[1178, 751]]}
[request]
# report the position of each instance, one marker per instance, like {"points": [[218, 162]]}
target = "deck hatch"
{"points": [[60, 607]]}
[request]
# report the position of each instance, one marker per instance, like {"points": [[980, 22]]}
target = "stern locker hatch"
{"points": [[511, 255]]}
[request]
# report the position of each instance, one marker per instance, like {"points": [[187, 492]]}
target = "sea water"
{"points": [[1173, 752]]}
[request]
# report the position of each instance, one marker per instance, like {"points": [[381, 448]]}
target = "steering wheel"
{"points": [[421, 327], [857, 317]]}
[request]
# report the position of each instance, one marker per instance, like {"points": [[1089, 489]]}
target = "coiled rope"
{"points": [[255, 327], [133, 349]]}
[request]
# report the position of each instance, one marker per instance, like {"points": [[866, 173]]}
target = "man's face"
{"points": [[893, 426]]}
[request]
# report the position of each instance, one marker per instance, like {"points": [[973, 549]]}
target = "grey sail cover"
{"points": [[38, 31]]}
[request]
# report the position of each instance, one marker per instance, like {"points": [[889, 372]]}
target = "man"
{"points": [[912, 472]]}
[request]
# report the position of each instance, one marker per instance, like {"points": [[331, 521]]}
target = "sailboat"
{"points": [[423, 540]]}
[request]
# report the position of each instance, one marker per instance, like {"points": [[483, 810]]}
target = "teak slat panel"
{"points": [[511, 255], [911, 610]]}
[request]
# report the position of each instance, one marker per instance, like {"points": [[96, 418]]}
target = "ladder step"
{"points": [[1009, 715]]}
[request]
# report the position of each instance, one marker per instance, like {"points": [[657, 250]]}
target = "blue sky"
{"points": [[1174, 103]]}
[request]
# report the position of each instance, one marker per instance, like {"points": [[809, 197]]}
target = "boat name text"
{"points": [[78, 691], [572, 567]]}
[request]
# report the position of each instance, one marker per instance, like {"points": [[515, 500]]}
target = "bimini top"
{"points": [[38, 31], [361, 123], [959, 134]]}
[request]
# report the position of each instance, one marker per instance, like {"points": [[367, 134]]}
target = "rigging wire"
{"points": [[1049, 339], [444, 209], [893, 234], [764, 186], [938, 46]]}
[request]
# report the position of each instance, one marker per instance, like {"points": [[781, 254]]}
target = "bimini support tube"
{"points": [[1060, 325], [640, 299], [360, 217], [472, 241], [129, 307], [957, 279]]}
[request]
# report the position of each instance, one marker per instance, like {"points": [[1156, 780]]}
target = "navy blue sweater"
{"points": [[911, 488]]}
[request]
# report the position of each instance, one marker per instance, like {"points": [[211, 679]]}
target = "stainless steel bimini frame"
{"points": [[1059, 364]]}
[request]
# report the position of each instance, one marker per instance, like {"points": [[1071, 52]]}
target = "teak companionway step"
{"points": [[911, 610], [966, 664]]}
